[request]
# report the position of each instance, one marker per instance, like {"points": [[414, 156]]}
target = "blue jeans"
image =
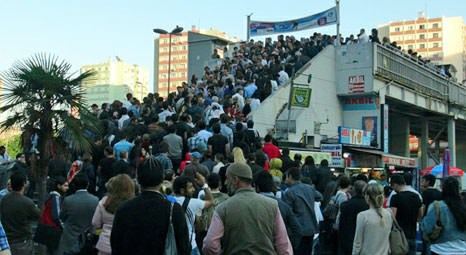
{"points": [[412, 246]]}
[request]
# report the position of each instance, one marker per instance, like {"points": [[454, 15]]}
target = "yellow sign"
{"points": [[301, 97]]}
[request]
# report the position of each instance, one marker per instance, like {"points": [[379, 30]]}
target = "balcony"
{"points": [[372, 62], [392, 65]]}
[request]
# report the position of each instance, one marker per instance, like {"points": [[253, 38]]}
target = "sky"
{"points": [[90, 31]]}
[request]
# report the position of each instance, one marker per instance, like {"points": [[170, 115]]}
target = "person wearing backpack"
{"points": [[183, 188], [213, 180], [50, 226]]}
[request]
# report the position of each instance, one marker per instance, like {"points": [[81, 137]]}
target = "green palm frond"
{"points": [[40, 92]]}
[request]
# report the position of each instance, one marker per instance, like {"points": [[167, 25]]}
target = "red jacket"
{"points": [[271, 150]]}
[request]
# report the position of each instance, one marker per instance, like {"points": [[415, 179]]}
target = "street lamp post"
{"points": [[176, 31]]}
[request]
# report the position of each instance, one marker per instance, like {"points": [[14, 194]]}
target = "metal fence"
{"points": [[394, 65]]}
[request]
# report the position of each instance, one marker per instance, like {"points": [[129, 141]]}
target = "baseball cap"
{"points": [[196, 155], [241, 170]]}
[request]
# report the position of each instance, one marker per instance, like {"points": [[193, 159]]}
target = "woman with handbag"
{"points": [[120, 188], [373, 226], [445, 222], [50, 227]]}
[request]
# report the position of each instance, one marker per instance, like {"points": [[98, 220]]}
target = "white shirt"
{"points": [[255, 103], [195, 207], [283, 77], [217, 167], [240, 100], [363, 38], [122, 120], [274, 85], [4, 157], [204, 135], [127, 105], [163, 115], [449, 248]]}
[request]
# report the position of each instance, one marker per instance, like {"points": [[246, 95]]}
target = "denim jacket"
{"points": [[301, 197], [450, 231]]}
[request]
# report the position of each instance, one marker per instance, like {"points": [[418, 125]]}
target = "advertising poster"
{"points": [[354, 136], [369, 124], [335, 151]]}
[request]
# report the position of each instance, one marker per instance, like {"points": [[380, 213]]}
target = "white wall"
{"points": [[324, 101]]}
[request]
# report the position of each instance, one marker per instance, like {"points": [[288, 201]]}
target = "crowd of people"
{"points": [[190, 173]]}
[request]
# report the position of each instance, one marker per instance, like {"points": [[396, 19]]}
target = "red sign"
{"points": [[403, 162], [356, 84]]}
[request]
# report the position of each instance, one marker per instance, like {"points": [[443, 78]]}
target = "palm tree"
{"points": [[47, 102]]}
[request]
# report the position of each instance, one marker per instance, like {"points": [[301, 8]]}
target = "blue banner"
{"points": [[259, 28]]}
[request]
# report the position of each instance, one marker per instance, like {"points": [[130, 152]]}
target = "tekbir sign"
{"points": [[335, 151], [356, 84]]}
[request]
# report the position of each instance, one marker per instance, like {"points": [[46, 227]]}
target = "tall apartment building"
{"points": [[442, 40], [115, 76], [191, 51]]}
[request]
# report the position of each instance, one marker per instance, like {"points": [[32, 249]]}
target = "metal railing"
{"points": [[457, 94], [394, 65]]}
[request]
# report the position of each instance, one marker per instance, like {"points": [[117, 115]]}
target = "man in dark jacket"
{"points": [[323, 176], [347, 218], [141, 225], [76, 214], [301, 198], [265, 186], [17, 214]]}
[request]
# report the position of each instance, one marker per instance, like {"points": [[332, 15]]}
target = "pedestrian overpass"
{"points": [[355, 83]]}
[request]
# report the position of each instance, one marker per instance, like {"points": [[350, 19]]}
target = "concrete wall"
{"points": [[201, 48], [354, 60], [399, 135], [324, 102]]}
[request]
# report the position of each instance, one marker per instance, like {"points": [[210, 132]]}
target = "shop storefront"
{"points": [[375, 162]]}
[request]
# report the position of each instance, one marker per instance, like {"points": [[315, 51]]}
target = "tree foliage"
{"points": [[40, 95]]}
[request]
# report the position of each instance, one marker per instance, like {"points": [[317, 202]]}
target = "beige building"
{"points": [[442, 40], [115, 71]]}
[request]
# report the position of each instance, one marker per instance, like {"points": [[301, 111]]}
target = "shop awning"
{"points": [[390, 159]]}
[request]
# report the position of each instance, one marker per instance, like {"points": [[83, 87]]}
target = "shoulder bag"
{"points": [[398, 242], [437, 230], [170, 240]]}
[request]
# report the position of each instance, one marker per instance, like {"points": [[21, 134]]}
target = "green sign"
{"points": [[301, 97]]}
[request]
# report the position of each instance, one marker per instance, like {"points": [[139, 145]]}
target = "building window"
{"points": [[422, 26], [435, 35], [397, 29], [410, 47], [411, 28], [435, 25], [436, 45], [422, 36], [422, 46]]}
